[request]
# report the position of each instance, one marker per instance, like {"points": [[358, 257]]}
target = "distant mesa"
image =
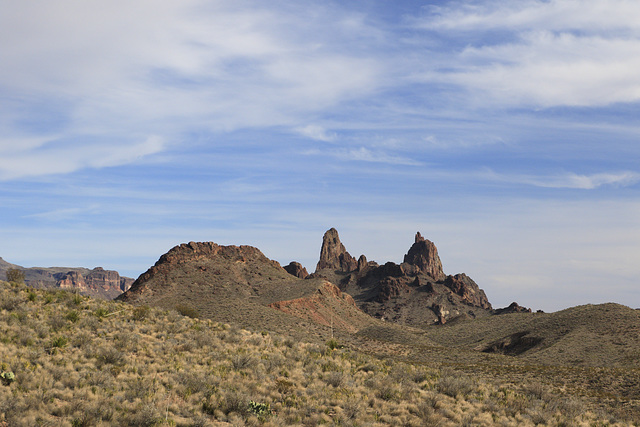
{"points": [[100, 283]]}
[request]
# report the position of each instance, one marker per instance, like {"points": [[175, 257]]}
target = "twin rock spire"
{"points": [[423, 254]]}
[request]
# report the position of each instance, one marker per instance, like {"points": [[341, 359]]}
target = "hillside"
{"points": [[97, 282], [68, 360], [239, 284]]}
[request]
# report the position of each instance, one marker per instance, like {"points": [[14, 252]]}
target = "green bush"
{"points": [[7, 377], [261, 410]]}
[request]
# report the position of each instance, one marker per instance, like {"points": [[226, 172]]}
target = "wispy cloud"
{"points": [[141, 68], [532, 53], [54, 158], [363, 154], [567, 180], [316, 132]]}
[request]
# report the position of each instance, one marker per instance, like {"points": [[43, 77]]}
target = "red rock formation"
{"points": [[424, 255], [324, 307], [333, 254]]}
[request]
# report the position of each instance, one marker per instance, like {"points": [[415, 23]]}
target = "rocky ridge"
{"points": [[416, 292], [98, 282]]}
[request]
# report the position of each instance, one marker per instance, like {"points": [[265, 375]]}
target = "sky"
{"points": [[505, 132]]}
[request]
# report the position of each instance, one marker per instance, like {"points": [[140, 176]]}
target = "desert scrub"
{"points": [[121, 365]]}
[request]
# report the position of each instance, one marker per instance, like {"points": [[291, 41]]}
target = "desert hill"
{"points": [[239, 284], [97, 282]]}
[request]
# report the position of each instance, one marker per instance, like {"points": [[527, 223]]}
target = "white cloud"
{"points": [[55, 158], [557, 15], [578, 181], [171, 68], [316, 132], [554, 53]]}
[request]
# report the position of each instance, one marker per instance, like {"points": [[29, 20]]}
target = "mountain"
{"points": [[416, 292], [238, 284], [98, 282], [413, 312]]}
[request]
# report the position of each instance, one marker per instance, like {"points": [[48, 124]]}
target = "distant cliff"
{"points": [[98, 282]]}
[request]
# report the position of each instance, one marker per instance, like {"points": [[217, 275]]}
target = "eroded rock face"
{"points": [[97, 280], [468, 290], [333, 254], [424, 255], [296, 269]]}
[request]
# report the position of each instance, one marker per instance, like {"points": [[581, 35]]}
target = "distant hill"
{"points": [[98, 282], [239, 284]]}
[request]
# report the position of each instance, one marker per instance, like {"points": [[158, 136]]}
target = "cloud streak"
{"points": [[555, 53]]}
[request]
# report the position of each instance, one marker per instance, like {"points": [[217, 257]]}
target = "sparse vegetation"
{"points": [[15, 275], [112, 363]]}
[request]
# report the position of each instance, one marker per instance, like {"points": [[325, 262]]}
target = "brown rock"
{"points": [[465, 287], [514, 307], [296, 269], [333, 254], [72, 280], [424, 255]]}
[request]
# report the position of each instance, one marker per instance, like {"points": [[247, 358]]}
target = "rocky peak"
{"points": [[333, 254], [296, 269], [424, 255]]}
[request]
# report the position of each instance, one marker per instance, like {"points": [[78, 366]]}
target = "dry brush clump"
{"points": [[68, 360]]}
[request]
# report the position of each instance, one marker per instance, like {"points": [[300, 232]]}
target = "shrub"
{"points": [[7, 377], [454, 384], [261, 410], [141, 312], [188, 311], [73, 316], [15, 275]]}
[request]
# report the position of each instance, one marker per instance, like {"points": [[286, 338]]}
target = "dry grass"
{"points": [[78, 361]]}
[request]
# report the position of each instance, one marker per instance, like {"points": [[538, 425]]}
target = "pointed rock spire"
{"points": [[333, 254], [424, 255]]}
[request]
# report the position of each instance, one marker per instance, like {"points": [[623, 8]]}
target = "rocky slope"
{"points": [[98, 282], [416, 292], [239, 284]]}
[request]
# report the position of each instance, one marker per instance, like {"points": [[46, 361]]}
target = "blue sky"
{"points": [[507, 133]]}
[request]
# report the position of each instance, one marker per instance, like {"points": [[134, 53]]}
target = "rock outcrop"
{"points": [[415, 292], [424, 255], [514, 307], [333, 254], [98, 282], [468, 290], [296, 269]]}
